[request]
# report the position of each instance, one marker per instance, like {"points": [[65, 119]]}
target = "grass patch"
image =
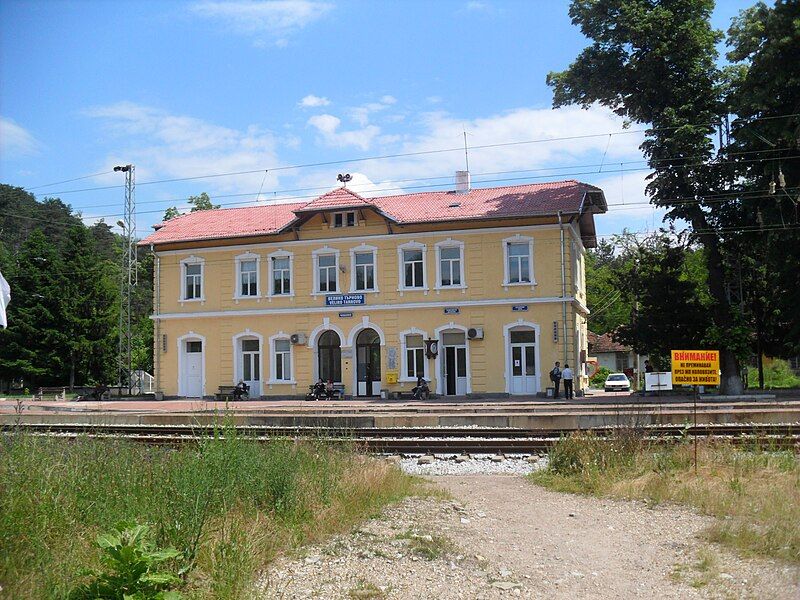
{"points": [[755, 494], [228, 505], [427, 546], [366, 589]]}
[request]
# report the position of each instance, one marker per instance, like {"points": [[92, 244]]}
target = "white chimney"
{"points": [[462, 182]]}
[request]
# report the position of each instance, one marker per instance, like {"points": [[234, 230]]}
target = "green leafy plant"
{"points": [[599, 378], [132, 562]]}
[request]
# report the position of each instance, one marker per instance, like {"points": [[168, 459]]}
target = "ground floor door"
{"points": [[522, 355], [250, 365], [192, 369], [455, 370], [368, 363]]}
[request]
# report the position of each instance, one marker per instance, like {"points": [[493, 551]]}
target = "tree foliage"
{"points": [[655, 62], [65, 281]]}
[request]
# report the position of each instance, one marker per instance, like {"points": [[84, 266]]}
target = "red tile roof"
{"points": [[599, 344], [424, 207], [339, 198]]}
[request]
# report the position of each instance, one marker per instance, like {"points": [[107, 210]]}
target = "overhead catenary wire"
{"points": [[422, 153]]}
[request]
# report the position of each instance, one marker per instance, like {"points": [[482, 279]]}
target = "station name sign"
{"points": [[695, 367], [344, 299]]}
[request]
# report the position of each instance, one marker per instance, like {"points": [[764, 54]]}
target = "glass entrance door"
{"points": [[368, 363], [251, 366], [523, 362], [455, 364]]}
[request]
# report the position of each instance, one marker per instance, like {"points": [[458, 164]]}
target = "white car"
{"points": [[617, 382]]}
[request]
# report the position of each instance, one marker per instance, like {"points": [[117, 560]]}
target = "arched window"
{"points": [[330, 356]]}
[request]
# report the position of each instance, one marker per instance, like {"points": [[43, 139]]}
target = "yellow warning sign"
{"points": [[695, 367]]}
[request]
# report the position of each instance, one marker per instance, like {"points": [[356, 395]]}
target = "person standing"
{"points": [[567, 376], [555, 377]]}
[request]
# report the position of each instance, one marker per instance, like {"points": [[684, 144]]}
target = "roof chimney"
{"points": [[462, 182]]}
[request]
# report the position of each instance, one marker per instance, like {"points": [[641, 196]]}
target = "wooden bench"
{"points": [[407, 395], [56, 392], [225, 392], [338, 391]]}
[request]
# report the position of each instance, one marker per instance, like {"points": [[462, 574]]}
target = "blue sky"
{"points": [[187, 89]]}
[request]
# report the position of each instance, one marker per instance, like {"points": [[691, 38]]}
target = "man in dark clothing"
{"points": [[555, 377]]}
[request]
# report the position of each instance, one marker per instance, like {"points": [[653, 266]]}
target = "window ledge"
{"points": [[281, 382], [271, 296], [375, 291], [201, 299], [256, 297], [327, 293], [413, 289], [520, 283], [450, 287]]}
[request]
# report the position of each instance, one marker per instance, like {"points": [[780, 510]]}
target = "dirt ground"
{"points": [[501, 536]]}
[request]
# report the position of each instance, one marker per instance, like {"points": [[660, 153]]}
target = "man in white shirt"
{"points": [[567, 376]]}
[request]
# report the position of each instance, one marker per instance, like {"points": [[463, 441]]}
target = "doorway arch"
{"points": [[368, 363], [329, 356], [191, 365]]}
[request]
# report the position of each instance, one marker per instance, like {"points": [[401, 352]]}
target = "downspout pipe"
{"points": [[157, 320], [563, 286]]}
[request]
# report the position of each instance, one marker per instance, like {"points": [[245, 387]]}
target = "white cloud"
{"points": [[15, 140], [434, 99], [165, 145], [312, 101], [263, 20], [361, 114], [328, 127], [441, 130], [476, 6]]}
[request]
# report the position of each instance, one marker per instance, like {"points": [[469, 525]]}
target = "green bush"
{"points": [[132, 562], [777, 374], [599, 378]]}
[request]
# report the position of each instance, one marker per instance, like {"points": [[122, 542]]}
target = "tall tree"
{"points": [[88, 310], [654, 62], [31, 345], [201, 202], [763, 90]]}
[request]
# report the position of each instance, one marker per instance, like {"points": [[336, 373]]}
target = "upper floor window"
{"points": [[281, 275], [364, 271], [192, 285], [518, 256], [345, 219], [450, 264], [247, 268], [412, 266], [326, 272]]}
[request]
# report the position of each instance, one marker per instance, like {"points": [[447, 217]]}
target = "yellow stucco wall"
{"points": [[484, 302]]}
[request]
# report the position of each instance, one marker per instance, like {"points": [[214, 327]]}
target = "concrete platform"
{"points": [[532, 413]]}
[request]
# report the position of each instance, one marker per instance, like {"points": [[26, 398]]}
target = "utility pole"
{"points": [[128, 279]]}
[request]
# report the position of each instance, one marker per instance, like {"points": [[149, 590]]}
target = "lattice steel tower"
{"points": [[129, 278]]}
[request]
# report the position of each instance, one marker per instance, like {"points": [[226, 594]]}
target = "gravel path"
{"points": [[500, 536]]}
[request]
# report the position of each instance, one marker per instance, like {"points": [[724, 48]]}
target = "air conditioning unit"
{"points": [[298, 338], [475, 333]]}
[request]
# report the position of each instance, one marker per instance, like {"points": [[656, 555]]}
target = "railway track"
{"points": [[417, 440]]}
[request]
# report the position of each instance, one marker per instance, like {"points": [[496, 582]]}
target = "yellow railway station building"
{"points": [[478, 290]]}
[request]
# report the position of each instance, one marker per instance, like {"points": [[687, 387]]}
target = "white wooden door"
{"points": [[193, 369]]}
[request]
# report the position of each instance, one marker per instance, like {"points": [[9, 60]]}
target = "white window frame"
{"points": [[450, 243], [363, 249], [404, 357], [272, 362], [270, 274], [518, 239], [193, 260], [237, 291], [344, 214], [325, 251], [247, 334], [577, 261], [401, 283]]}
